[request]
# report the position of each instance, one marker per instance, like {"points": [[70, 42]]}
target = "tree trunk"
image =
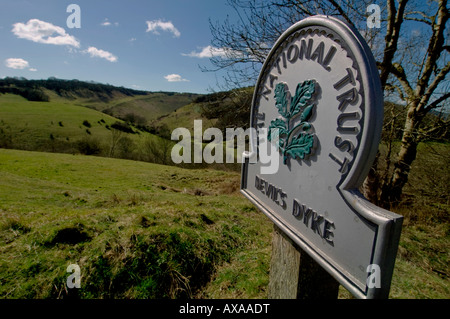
{"points": [[372, 183], [392, 192]]}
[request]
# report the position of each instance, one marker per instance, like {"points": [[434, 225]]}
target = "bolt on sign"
{"points": [[319, 102]]}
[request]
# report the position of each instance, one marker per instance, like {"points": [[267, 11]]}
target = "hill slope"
{"points": [[116, 101], [71, 116], [38, 124], [137, 230], [64, 127]]}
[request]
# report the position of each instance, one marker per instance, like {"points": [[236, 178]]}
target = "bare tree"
{"points": [[411, 48], [419, 79], [116, 136], [157, 148]]}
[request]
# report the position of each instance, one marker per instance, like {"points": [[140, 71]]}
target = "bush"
{"points": [[86, 123], [126, 148], [121, 126], [89, 146]]}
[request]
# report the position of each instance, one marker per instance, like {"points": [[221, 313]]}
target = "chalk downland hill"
{"points": [[89, 118]]}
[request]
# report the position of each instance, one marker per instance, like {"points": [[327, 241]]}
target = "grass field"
{"points": [[184, 117], [32, 124], [149, 106], [64, 126], [137, 230], [141, 230]]}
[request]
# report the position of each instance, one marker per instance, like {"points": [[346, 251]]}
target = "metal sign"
{"points": [[318, 104]]}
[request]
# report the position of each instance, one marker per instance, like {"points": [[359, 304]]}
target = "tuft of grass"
{"points": [[12, 228]]}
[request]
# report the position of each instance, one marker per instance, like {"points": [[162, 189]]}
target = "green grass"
{"points": [[422, 267], [61, 124], [33, 122], [141, 230], [137, 230], [184, 117], [149, 106]]}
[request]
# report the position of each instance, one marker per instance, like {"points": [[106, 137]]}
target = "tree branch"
{"points": [[426, 19], [342, 13], [438, 79], [436, 103], [435, 47], [398, 71], [395, 20], [418, 20], [392, 87]]}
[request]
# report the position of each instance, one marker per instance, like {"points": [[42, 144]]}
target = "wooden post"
{"points": [[295, 275]]}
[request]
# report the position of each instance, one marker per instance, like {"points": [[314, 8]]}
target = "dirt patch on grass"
{"points": [[70, 235]]}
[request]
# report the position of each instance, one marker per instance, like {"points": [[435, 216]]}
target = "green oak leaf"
{"points": [[282, 99], [300, 146], [303, 94], [294, 142], [306, 114], [282, 130]]}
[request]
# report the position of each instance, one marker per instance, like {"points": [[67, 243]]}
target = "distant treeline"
{"points": [[32, 89], [30, 94], [230, 108]]}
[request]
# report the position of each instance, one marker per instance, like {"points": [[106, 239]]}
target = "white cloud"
{"points": [[44, 32], [32, 69], [175, 78], [106, 23], [94, 52], [16, 63], [155, 25], [209, 52]]}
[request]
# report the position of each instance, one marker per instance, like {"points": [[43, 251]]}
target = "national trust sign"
{"points": [[319, 99]]}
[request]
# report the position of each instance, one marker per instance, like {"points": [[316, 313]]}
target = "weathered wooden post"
{"points": [[295, 275], [318, 107]]}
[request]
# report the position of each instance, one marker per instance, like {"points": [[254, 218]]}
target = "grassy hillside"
{"points": [[63, 126], [151, 106], [184, 117], [124, 103], [140, 230], [32, 123], [70, 116], [137, 230]]}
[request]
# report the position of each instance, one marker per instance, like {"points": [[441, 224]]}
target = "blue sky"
{"points": [[149, 45]]}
